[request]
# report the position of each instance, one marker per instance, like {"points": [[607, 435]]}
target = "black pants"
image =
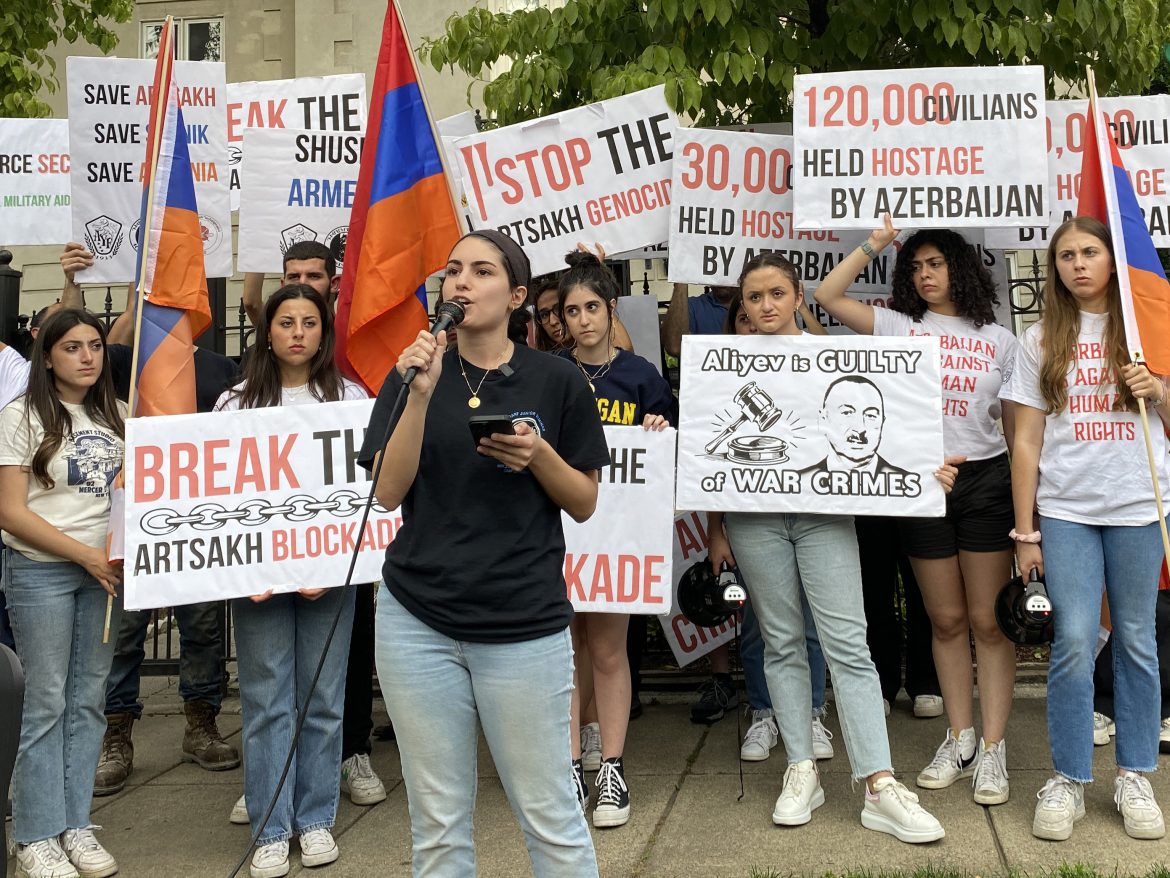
{"points": [[1103, 670], [894, 617], [358, 721]]}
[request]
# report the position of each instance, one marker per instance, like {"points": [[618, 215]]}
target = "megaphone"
{"points": [[708, 600], [1023, 611]]}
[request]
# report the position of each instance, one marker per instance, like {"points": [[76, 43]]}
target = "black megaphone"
{"points": [[1023, 611], [708, 600]]}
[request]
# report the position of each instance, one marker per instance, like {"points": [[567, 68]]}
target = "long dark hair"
{"points": [[971, 288], [541, 285], [41, 399], [262, 383], [586, 270], [733, 309]]}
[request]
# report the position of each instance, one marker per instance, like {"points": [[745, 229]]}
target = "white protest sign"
{"points": [[109, 109], [1141, 127], [599, 173], [308, 103], [850, 425], [451, 129], [687, 640], [619, 560], [235, 503], [733, 200], [955, 146], [34, 181], [302, 189]]}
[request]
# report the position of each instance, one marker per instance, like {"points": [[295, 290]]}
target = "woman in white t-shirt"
{"points": [[279, 638], [1080, 465], [61, 444], [961, 560]]}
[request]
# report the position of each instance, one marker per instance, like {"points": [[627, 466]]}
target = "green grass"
{"points": [[1064, 871]]}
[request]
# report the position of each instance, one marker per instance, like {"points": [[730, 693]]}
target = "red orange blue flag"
{"points": [[171, 305], [1107, 194], [403, 223]]}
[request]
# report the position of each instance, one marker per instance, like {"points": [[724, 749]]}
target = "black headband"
{"points": [[515, 259]]}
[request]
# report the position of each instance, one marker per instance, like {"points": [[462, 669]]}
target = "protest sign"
{"points": [[34, 181], [639, 315], [850, 425], [1141, 127], [109, 109], [619, 560], [687, 640], [599, 174], [308, 103], [732, 199], [956, 146], [302, 189], [451, 129]]}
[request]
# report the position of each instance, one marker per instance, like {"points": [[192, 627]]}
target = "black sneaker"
{"points": [[580, 785], [613, 796], [716, 697]]}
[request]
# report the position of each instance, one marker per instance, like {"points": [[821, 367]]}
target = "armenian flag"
{"points": [[403, 224], [1107, 194]]}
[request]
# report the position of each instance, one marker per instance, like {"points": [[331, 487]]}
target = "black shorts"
{"points": [[979, 514]]}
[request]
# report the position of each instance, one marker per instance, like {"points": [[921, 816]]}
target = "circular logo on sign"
{"points": [[136, 234], [335, 241], [211, 232]]}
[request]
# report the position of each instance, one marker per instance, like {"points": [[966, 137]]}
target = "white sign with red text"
{"points": [[687, 640], [953, 146], [619, 560], [311, 103], [1141, 128], [34, 181], [109, 111], [599, 173]]}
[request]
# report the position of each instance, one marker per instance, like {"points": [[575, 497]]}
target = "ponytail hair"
{"points": [[586, 270]]}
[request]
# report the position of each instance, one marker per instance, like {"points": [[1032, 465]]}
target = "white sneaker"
{"points": [[270, 860], [591, 746], [822, 740], [762, 735], [802, 794], [360, 781], [239, 815], [928, 706], [1135, 800], [318, 848], [893, 809], [954, 759], [43, 859], [1062, 803], [1103, 729], [86, 854], [991, 777]]}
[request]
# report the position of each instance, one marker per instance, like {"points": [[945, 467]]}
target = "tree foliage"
{"points": [[29, 28], [729, 61]]}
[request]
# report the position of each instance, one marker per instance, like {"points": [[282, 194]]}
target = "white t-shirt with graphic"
{"points": [[85, 464], [976, 363], [229, 400], [1093, 467], [13, 375]]}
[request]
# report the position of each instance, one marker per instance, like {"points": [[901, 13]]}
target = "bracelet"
{"points": [[868, 250], [1033, 537]]}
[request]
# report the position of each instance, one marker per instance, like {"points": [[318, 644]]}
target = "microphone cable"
{"points": [[449, 314]]}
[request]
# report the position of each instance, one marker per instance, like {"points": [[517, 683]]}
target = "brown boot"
{"points": [[202, 742], [117, 759]]}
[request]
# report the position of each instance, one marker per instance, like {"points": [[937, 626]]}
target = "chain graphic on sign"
{"points": [[212, 516]]}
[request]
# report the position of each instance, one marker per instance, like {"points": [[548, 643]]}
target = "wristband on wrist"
{"points": [[868, 250], [1033, 537]]}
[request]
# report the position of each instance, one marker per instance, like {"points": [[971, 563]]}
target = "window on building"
{"points": [[196, 39]]}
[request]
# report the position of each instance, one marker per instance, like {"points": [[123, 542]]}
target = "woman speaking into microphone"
{"points": [[472, 622]]}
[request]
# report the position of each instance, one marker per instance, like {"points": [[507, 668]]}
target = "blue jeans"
{"points": [[779, 554], [200, 654], [1079, 559], [278, 645], [751, 653], [58, 613], [439, 692]]}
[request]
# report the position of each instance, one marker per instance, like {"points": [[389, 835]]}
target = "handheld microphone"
{"points": [[449, 314]]}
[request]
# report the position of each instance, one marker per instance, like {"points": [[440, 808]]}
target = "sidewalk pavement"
{"points": [[171, 820]]}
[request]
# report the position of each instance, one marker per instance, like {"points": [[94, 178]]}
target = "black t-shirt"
{"points": [[629, 390], [480, 554], [214, 373]]}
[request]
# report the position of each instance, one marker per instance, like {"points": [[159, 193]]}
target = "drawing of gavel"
{"points": [[756, 406]]}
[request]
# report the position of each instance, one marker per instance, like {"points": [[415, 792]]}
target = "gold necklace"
{"points": [[474, 401], [601, 372]]}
